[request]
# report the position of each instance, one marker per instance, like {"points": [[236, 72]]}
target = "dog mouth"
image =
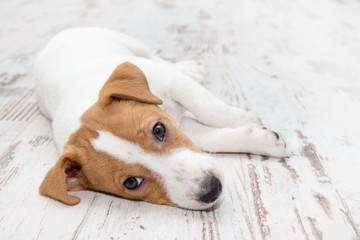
{"points": [[198, 195], [199, 205], [198, 186]]}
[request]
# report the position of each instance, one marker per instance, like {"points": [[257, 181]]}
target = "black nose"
{"points": [[212, 190]]}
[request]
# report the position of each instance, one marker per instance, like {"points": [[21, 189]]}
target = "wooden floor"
{"points": [[295, 63]]}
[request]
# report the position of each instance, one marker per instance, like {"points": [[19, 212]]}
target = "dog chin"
{"points": [[198, 206]]}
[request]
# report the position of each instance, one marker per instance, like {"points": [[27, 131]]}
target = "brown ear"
{"points": [[66, 175], [127, 82]]}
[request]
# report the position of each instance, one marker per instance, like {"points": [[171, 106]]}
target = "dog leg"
{"points": [[193, 69], [246, 139], [189, 67], [207, 108]]}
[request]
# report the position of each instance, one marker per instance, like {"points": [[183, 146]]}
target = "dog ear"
{"points": [[127, 82], [66, 175]]}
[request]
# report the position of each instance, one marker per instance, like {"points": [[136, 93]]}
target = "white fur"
{"points": [[182, 171], [74, 65]]}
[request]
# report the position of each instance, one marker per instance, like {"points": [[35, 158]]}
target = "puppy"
{"points": [[117, 112]]}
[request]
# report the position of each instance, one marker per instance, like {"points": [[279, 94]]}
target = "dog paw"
{"points": [[269, 143], [193, 69]]}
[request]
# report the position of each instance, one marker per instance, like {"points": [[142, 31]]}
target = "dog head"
{"points": [[130, 147]]}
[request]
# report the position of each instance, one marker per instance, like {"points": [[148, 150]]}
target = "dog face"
{"points": [[129, 147]]}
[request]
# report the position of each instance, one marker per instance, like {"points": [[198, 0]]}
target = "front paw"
{"points": [[270, 143]]}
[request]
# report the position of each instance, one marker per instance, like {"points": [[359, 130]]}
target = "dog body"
{"points": [[116, 110], [81, 60]]}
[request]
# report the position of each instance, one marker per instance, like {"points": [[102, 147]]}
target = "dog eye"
{"points": [[159, 131], [133, 182]]}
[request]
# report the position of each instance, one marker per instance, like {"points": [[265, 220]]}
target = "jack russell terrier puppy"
{"points": [[117, 112]]}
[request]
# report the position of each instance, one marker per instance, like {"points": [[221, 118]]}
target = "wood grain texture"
{"points": [[294, 63]]}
